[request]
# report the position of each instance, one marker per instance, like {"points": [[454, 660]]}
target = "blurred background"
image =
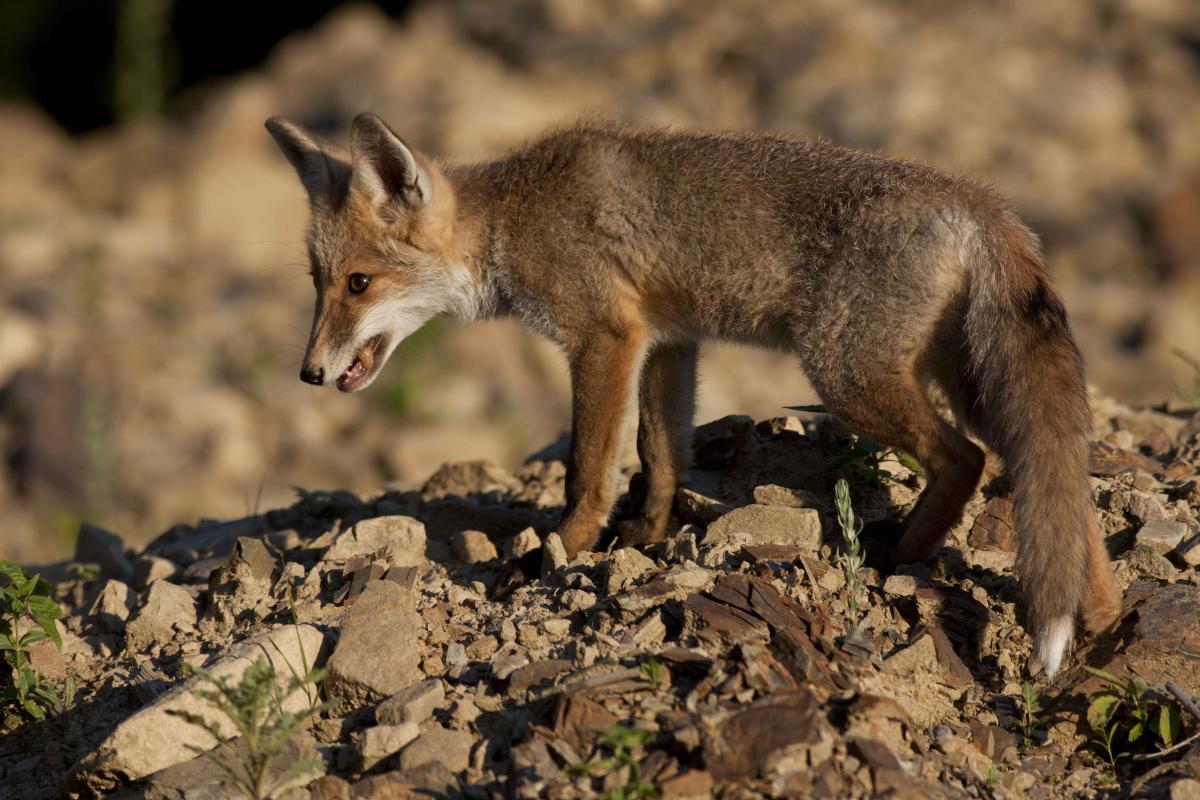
{"points": [[153, 297]]}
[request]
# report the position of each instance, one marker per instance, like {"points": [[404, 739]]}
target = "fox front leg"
{"points": [[604, 372], [666, 405]]}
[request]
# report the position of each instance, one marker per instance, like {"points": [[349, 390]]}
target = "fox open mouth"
{"points": [[360, 369]]}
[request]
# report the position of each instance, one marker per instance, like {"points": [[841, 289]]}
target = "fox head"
{"points": [[382, 247]]}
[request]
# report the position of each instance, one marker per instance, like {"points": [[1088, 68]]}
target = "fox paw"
{"points": [[639, 532]]}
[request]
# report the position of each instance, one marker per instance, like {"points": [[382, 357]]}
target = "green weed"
{"points": [[621, 740], [1029, 706], [652, 670], [254, 706], [27, 615], [1130, 715]]}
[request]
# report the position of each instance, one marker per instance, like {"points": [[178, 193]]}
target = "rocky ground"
{"points": [[730, 645], [154, 301]]}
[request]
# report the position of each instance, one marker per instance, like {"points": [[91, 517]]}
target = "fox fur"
{"points": [[628, 247]]}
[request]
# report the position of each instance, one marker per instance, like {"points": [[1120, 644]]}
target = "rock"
{"points": [[95, 545], [577, 599], [1189, 551], [900, 586], [759, 524], [554, 555], [168, 607], [993, 529], [399, 538], [148, 569], [769, 494], [557, 626], [377, 654], [1162, 535], [692, 783], [241, 588], [451, 749], [919, 655], [1166, 642], [473, 546], [414, 704], [111, 607], [522, 543], [466, 478], [197, 780], [1147, 562], [625, 565], [780, 734], [1185, 789], [504, 664], [379, 742], [152, 739], [699, 508]]}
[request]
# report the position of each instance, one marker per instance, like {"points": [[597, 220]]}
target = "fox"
{"points": [[887, 279]]}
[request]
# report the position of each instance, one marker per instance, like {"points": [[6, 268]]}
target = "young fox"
{"points": [[628, 247]]}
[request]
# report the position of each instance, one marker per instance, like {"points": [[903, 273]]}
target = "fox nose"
{"points": [[313, 375]]}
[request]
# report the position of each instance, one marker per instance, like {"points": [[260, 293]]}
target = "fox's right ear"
{"points": [[312, 164]]}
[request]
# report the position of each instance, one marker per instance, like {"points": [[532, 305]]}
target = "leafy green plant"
{"points": [[1130, 715], [254, 707], [621, 740], [866, 456], [27, 615], [1190, 396], [653, 671], [1029, 706], [853, 555]]}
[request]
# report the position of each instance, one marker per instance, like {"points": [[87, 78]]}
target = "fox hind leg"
{"points": [[899, 414], [666, 404]]}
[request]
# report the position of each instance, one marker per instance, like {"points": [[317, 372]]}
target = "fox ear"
{"points": [[305, 153], [384, 168]]}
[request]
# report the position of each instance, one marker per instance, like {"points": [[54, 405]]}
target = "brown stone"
{"points": [[993, 529], [782, 733]]}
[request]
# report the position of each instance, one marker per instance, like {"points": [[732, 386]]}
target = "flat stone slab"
{"points": [[153, 739]]}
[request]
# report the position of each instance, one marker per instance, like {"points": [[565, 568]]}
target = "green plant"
{"points": [[1130, 714], [317, 497], [25, 603], [1190, 396], [853, 555], [1030, 708], [652, 670], [866, 456], [83, 571], [254, 708], [622, 740]]}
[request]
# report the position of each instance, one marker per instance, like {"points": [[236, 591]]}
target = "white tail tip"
{"points": [[1054, 642]]}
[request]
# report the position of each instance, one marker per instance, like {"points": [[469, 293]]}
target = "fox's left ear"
{"points": [[317, 171], [383, 167]]}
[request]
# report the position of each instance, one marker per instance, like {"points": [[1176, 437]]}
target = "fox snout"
{"points": [[313, 375]]}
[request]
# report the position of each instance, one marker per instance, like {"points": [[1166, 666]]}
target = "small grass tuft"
{"points": [[853, 555]]}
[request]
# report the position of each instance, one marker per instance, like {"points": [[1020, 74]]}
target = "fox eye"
{"points": [[359, 283]]}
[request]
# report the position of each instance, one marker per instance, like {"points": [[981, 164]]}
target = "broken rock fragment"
{"points": [[377, 653]]}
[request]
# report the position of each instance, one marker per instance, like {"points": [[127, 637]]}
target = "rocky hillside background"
{"points": [[153, 305]]}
